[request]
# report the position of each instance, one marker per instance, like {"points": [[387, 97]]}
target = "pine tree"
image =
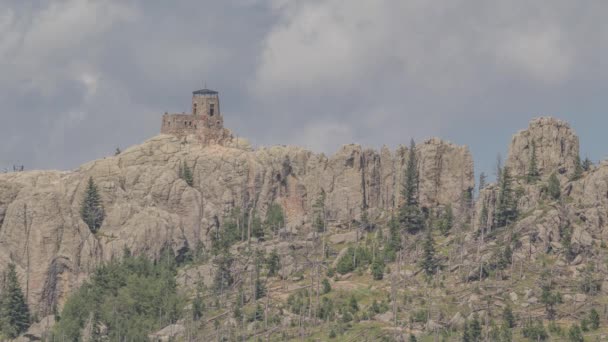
{"points": [[429, 264], [466, 334], [412, 338], [594, 319], [578, 169], [91, 209], [533, 174], [482, 181], [483, 218], [326, 286], [410, 215], [447, 220], [475, 328], [378, 269], [319, 213], [260, 288], [553, 187], [550, 298], [185, 173], [575, 334], [197, 308], [273, 263], [587, 164], [223, 276], [14, 312], [394, 242], [507, 317], [506, 204], [499, 168]]}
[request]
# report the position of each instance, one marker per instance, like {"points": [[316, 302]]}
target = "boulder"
{"points": [[345, 237], [555, 143], [168, 333]]}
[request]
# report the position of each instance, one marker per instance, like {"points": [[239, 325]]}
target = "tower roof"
{"points": [[205, 92]]}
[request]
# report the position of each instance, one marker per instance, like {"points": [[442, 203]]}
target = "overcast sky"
{"points": [[78, 78]]}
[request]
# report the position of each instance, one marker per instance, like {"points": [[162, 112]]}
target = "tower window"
{"points": [[194, 109], [211, 109]]}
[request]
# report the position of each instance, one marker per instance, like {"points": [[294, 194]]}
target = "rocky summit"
{"points": [[283, 243]]}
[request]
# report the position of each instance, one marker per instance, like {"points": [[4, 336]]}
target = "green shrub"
{"points": [[126, 297]]}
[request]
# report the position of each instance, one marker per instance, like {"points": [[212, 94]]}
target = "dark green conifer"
{"points": [[14, 312], [594, 319], [475, 328], [326, 286], [378, 269], [429, 263], [575, 334], [410, 215], [482, 181], [91, 209], [553, 187], [506, 204], [587, 164], [507, 317], [447, 220], [466, 334], [533, 175], [578, 169], [273, 263], [185, 173], [223, 275]]}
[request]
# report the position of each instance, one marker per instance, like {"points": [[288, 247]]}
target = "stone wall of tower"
{"points": [[179, 124], [205, 122]]}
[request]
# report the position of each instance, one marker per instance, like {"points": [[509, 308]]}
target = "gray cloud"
{"points": [[80, 77]]}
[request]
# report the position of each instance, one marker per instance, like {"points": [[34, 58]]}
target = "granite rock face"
{"points": [[583, 204], [556, 144], [148, 207]]}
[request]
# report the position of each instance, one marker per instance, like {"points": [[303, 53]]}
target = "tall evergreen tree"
{"points": [[575, 334], [578, 169], [223, 275], [447, 220], [483, 218], [466, 333], [498, 168], [14, 312], [475, 328], [506, 204], [410, 215], [508, 317], [594, 319], [394, 242], [91, 209], [533, 175], [273, 263], [482, 180], [553, 187], [429, 263], [587, 164], [185, 173], [319, 213]]}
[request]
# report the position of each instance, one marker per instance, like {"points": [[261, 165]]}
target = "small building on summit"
{"points": [[205, 121]]}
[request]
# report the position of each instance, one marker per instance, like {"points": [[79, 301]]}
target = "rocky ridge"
{"points": [[149, 207]]}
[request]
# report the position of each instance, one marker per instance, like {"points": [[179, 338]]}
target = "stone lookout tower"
{"points": [[205, 121]]}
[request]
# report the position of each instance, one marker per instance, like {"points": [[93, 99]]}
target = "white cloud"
{"points": [[543, 55], [334, 44], [43, 46]]}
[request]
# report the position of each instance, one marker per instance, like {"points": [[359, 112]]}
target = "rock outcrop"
{"points": [[556, 144], [149, 207]]}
